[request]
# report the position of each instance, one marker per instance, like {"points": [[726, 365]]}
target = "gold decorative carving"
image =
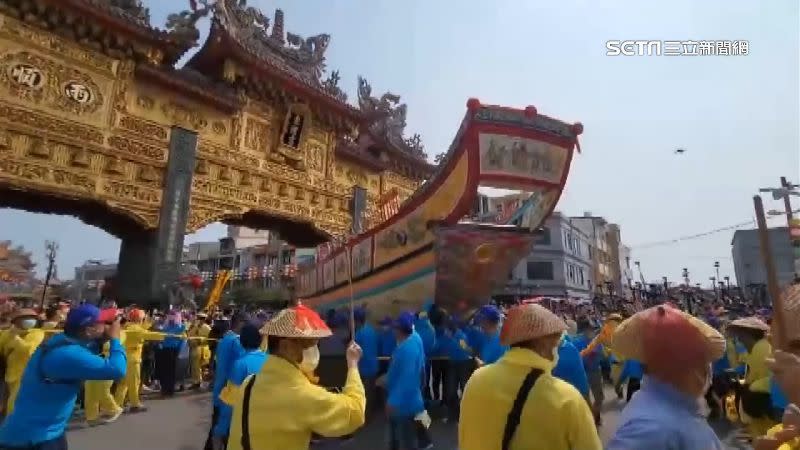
{"points": [[227, 155], [218, 127], [315, 155], [145, 102], [40, 80], [256, 135], [223, 191], [224, 174], [23, 33], [130, 191], [24, 171], [41, 122], [114, 166], [136, 148], [266, 185], [74, 180], [143, 127], [79, 158], [184, 115], [244, 179], [38, 149], [147, 174], [201, 167]]}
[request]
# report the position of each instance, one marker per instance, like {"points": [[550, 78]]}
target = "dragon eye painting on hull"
{"points": [[426, 250]]}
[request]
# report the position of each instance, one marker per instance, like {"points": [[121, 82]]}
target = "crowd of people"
{"points": [[512, 377]]}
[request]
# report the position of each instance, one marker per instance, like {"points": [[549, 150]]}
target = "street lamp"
{"points": [[90, 262], [716, 266], [714, 285]]}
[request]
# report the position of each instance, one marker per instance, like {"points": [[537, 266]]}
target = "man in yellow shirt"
{"points": [[97, 393], [136, 333], [22, 339], [279, 408], [515, 403], [200, 354], [755, 403]]}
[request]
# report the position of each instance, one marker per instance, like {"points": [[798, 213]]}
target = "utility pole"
{"points": [[787, 203], [778, 323], [51, 248]]}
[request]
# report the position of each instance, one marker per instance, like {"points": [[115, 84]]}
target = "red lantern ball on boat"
{"points": [[473, 103]]}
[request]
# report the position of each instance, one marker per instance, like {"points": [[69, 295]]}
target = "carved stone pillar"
{"points": [[149, 263]]}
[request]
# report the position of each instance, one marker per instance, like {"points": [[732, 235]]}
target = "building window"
{"points": [[542, 236], [540, 270], [580, 276]]}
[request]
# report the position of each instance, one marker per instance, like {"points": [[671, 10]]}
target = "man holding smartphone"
{"points": [[53, 378]]}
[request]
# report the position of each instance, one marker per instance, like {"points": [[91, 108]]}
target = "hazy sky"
{"points": [[738, 117]]}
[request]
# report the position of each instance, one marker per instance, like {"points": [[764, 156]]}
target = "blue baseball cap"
{"points": [[489, 313], [82, 316], [360, 314], [404, 322]]}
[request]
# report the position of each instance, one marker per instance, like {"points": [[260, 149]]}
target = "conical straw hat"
{"points": [[297, 322], [791, 312], [753, 323], [531, 321], [665, 332]]}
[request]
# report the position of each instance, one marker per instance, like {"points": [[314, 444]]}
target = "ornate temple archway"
{"points": [[96, 121]]}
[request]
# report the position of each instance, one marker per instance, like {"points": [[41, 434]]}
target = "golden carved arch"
{"points": [[78, 126]]}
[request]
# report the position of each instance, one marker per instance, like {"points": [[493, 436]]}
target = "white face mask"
{"points": [[310, 359], [555, 353], [27, 324]]}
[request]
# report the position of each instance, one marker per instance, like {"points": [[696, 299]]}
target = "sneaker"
{"points": [[92, 423], [136, 409], [113, 417]]}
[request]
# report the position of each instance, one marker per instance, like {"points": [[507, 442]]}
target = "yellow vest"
{"points": [[18, 350]]}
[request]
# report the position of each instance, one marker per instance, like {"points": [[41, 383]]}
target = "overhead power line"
{"points": [[690, 237]]}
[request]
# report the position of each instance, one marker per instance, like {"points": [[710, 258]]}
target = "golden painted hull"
{"points": [[394, 265]]}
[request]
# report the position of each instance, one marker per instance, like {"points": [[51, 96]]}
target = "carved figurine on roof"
{"points": [[386, 117]]}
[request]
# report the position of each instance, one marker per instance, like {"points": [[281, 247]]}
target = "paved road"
{"points": [[182, 424]]}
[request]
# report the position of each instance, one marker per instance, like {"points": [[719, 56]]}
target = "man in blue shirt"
{"points": [[591, 363], [488, 318], [426, 332], [249, 363], [167, 354], [676, 350], [404, 391], [367, 339], [569, 367], [386, 341], [53, 378], [228, 351], [455, 347]]}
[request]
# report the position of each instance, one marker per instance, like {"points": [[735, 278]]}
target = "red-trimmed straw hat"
{"points": [[531, 321], [668, 338], [297, 322]]}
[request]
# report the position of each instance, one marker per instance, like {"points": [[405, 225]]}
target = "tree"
{"points": [[438, 158]]}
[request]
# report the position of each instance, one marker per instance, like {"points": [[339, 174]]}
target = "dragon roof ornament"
{"points": [[387, 119], [303, 58]]}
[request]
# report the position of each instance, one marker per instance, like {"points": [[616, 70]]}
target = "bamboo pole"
{"points": [[778, 323], [349, 253]]}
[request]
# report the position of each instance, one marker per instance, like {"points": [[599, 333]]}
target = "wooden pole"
{"points": [[349, 253], [772, 277]]}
